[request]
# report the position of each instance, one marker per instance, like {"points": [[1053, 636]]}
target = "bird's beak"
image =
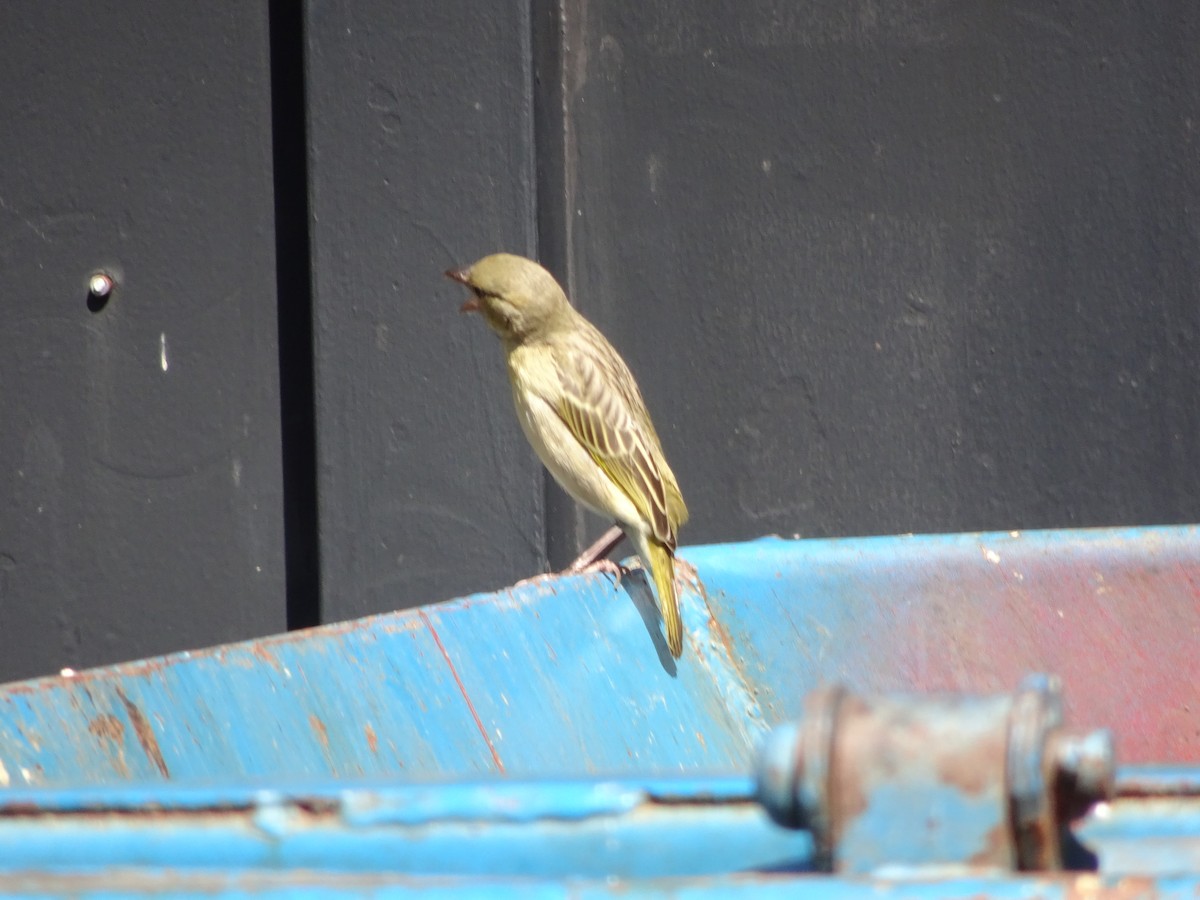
{"points": [[463, 276]]}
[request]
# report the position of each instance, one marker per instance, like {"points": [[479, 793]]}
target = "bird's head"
{"points": [[518, 298]]}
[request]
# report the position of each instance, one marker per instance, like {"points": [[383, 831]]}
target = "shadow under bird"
{"points": [[582, 411]]}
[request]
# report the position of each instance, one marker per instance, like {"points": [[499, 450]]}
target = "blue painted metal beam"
{"points": [[542, 829], [632, 830], [307, 886], [566, 675]]}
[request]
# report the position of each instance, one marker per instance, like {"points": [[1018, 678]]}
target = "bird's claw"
{"points": [[604, 566]]}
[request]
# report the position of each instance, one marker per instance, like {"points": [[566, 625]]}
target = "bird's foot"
{"points": [[593, 559], [605, 566]]}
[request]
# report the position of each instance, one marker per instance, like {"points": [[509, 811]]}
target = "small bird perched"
{"points": [[583, 413]]}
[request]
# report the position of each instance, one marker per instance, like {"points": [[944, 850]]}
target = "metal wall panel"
{"points": [[421, 157], [897, 267], [139, 445]]}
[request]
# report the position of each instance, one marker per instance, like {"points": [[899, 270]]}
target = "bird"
{"points": [[582, 411]]}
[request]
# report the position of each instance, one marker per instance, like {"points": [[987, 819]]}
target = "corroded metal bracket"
{"points": [[900, 781]]}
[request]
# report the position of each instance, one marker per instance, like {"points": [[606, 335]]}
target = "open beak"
{"points": [[463, 276]]}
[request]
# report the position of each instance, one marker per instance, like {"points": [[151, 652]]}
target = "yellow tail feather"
{"points": [[662, 565]]}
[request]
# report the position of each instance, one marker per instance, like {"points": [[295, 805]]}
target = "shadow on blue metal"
{"points": [[569, 675]]}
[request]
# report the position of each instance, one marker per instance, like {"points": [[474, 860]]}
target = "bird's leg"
{"points": [[595, 558], [597, 551]]}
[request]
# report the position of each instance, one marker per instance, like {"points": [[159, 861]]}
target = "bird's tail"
{"points": [[662, 567]]}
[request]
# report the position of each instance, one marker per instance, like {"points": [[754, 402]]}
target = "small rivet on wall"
{"points": [[100, 286]]}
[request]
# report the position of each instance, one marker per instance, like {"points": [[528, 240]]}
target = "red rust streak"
{"points": [[315, 723], [145, 734], [471, 706], [107, 726]]}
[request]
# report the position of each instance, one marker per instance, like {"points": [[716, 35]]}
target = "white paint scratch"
{"points": [[162, 350], [237, 467], [653, 170], [4, 779]]}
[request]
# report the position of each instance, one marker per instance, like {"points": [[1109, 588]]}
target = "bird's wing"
{"points": [[602, 407]]}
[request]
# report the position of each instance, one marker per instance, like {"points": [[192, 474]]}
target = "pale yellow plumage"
{"points": [[581, 409]]}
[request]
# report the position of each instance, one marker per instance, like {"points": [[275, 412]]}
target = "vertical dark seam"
{"points": [[295, 313]]}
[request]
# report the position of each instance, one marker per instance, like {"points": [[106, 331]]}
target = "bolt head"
{"points": [[100, 284]]}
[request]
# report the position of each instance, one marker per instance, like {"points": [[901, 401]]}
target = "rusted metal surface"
{"points": [[1115, 613], [1158, 781], [562, 676], [979, 782]]}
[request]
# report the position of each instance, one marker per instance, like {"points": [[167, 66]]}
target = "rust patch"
{"points": [[138, 668], [997, 849], [717, 629], [1136, 786], [857, 735], [976, 771], [261, 651], [145, 734], [687, 573], [372, 740], [1093, 887], [319, 728], [107, 726], [22, 808], [400, 626], [111, 730]]}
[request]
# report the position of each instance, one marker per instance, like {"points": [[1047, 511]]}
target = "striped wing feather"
{"points": [[603, 408]]}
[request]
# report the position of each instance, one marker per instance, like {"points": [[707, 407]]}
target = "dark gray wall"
{"points": [[889, 267], [139, 500], [880, 267], [421, 158]]}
